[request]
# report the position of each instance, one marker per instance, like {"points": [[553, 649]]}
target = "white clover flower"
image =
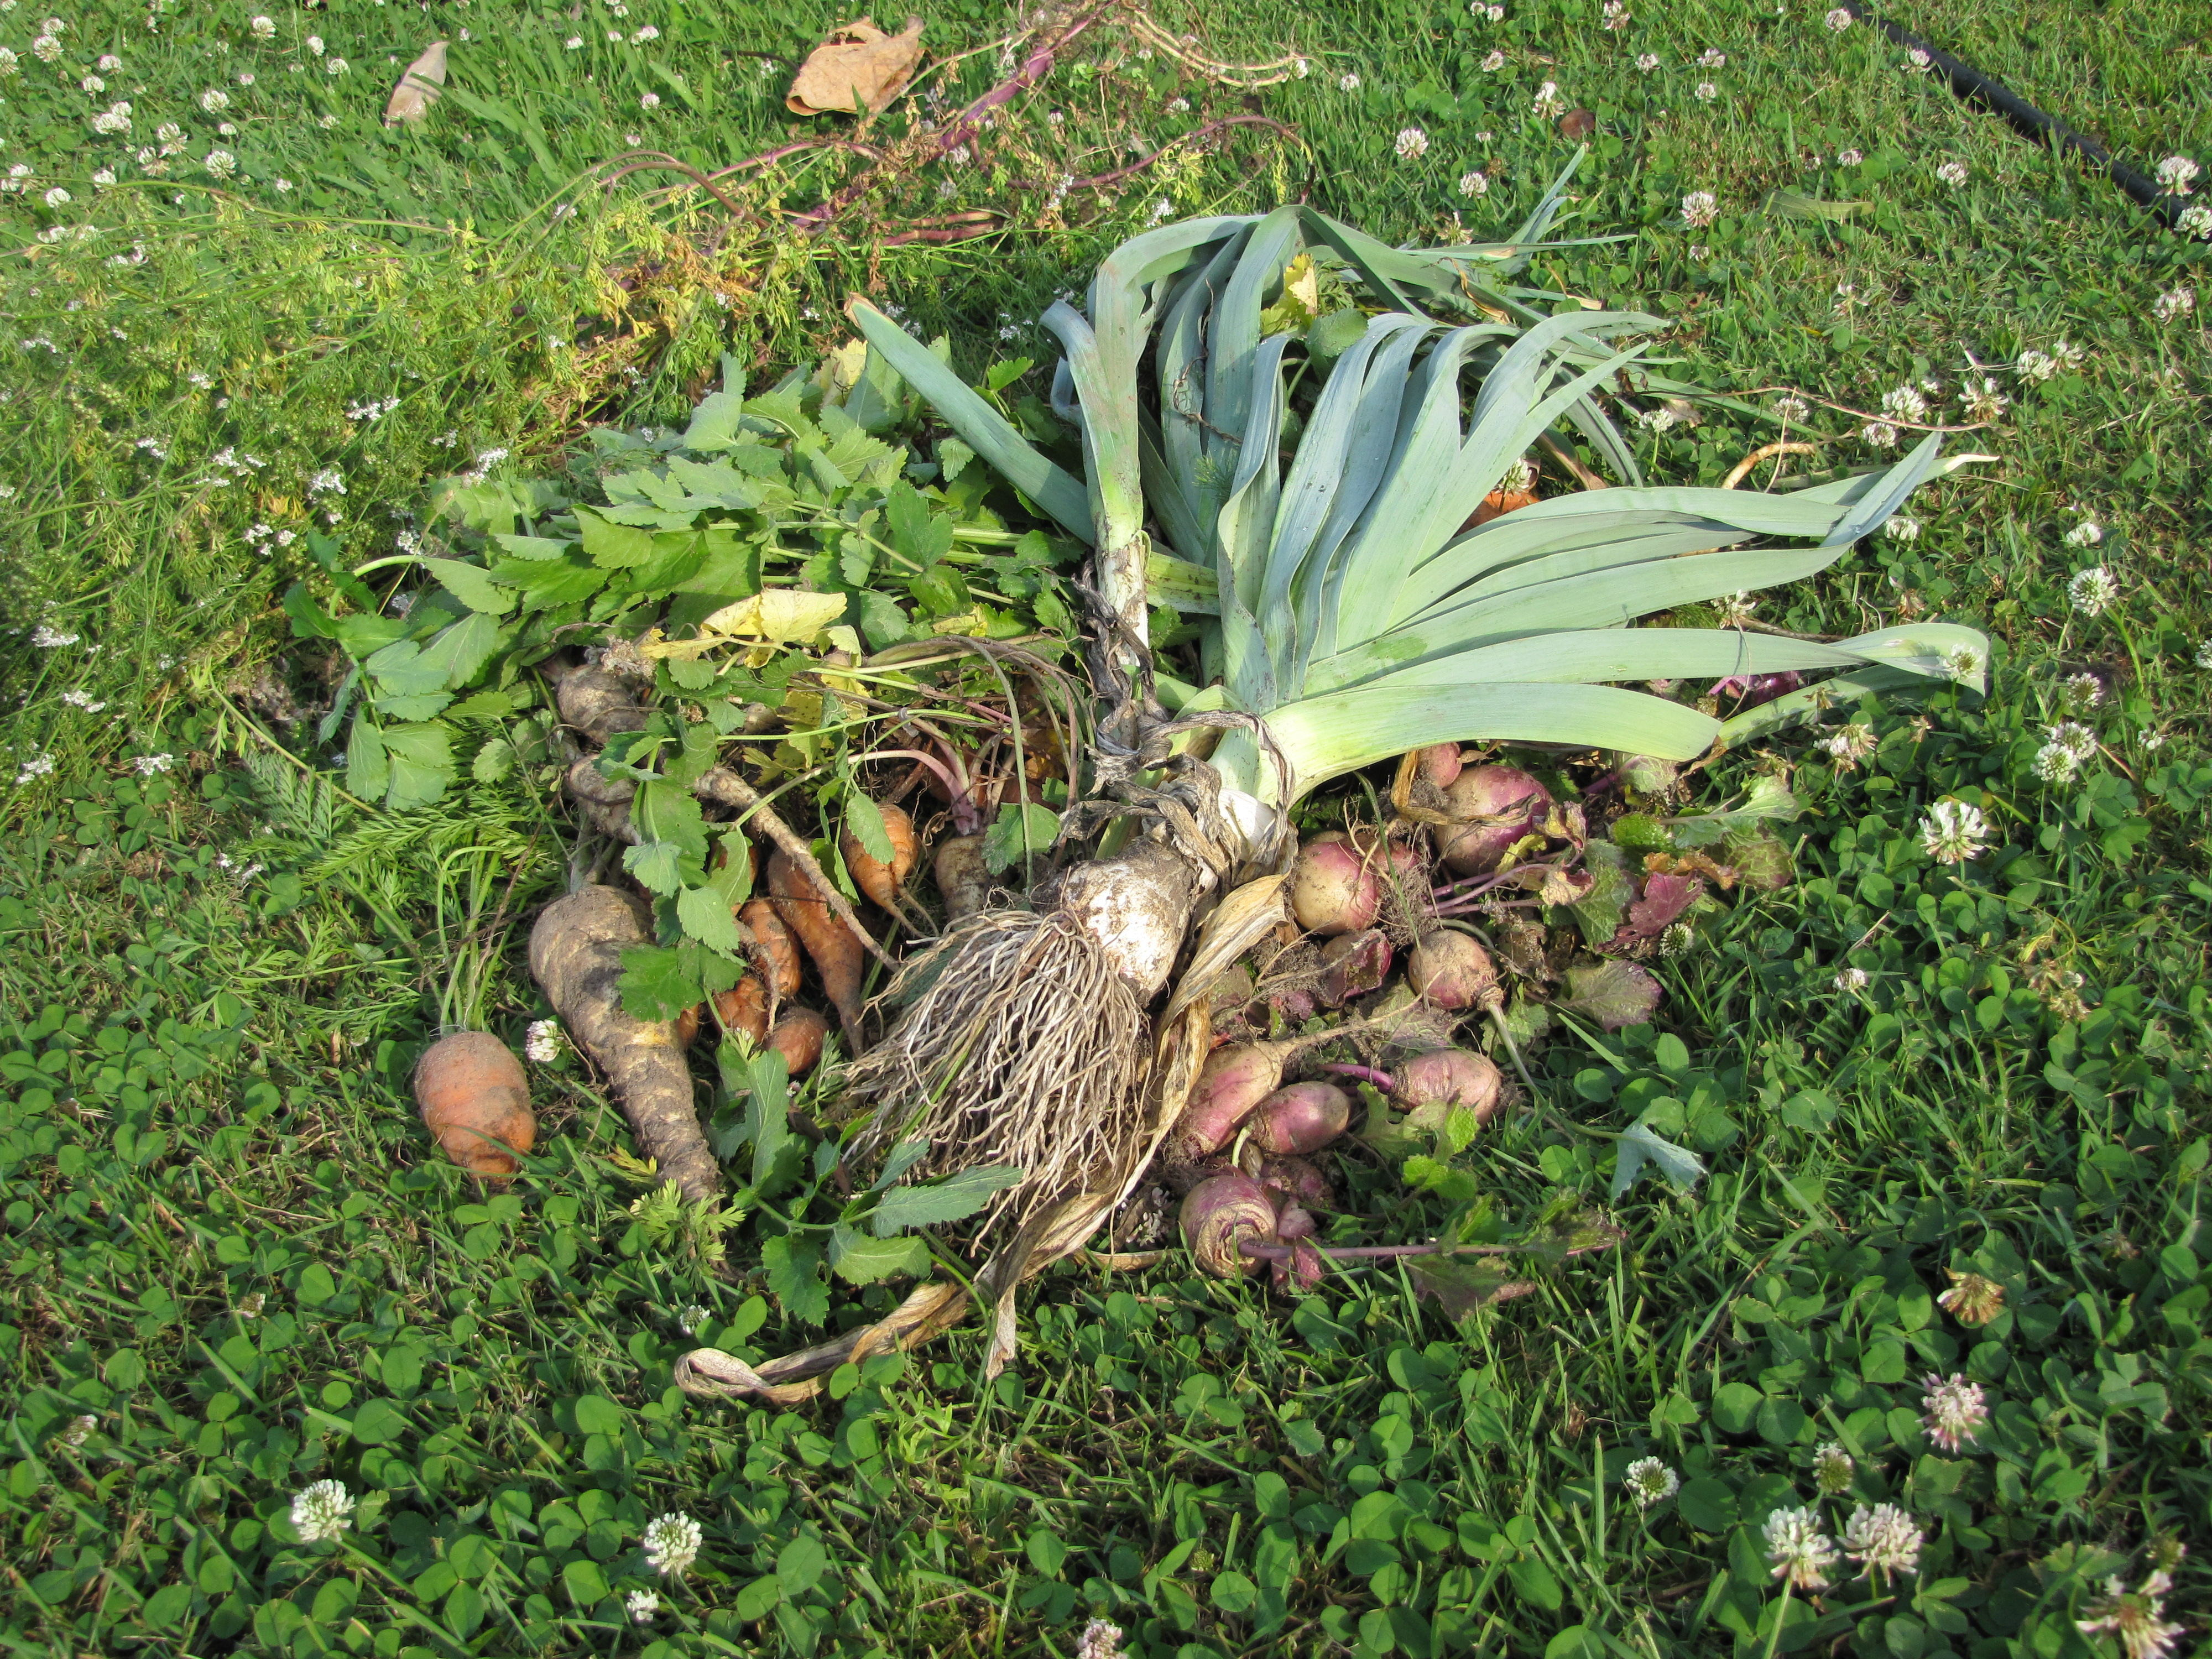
{"points": [[57, 198], [642, 1606], [1952, 174], [615, 35], [45, 49], [1838, 19], [575, 42], [84, 700], [116, 118], [1905, 404], [1700, 253], [265, 28], [2195, 222], [2083, 691], [221, 163], [1962, 662], [2151, 739], [1954, 1409], [1883, 1539], [1616, 13], [1473, 182], [1647, 62], [2092, 591], [1700, 208], [214, 100], [10, 64], [1983, 400], [47, 640], [1790, 407], [1801, 1551], [650, 101], [2068, 356], [1493, 62], [2138, 1619], [1953, 832], [648, 33], [336, 66], [1851, 980], [689, 1319], [1302, 69], [542, 1042], [315, 45], [1650, 1481], [54, 26], [1548, 105], [1832, 1469], [149, 766], [80, 1429], [1851, 744], [2078, 740], [1348, 81], [1705, 92], [1917, 60], [671, 1545], [2053, 764], [2175, 174], [2174, 303], [1100, 1639], [1412, 143], [1900, 528], [2088, 533], [2033, 365], [38, 766], [91, 84], [1849, 158], [1713, 57], [319, 1512]]}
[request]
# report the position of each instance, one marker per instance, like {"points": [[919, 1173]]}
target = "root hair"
{"points": [[1019, 1045]]}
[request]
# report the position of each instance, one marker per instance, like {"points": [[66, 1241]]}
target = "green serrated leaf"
{"points": [[794, 1278], [1639, 1147], [948, 1200], [422, 759], [613, 546], [767, 1111], [367, 770], [472, 585], [904, 1157], [705, 915], [459, 651], [1019, 833], [865, 820], [860, 1260], [657, 866], [657, 984]]}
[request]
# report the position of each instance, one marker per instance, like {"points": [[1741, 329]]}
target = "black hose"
{"points": [[1969, 82]]}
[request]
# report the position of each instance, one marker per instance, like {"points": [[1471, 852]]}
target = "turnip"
{"points": [[1445, 1078], [1354, 964], [1231, 1084], [1303, 1118], [475, 1099], [1493, 808], [1453, 971], [1336, 888], [1438, 764], [1219, 1217], [1299, 1180]]}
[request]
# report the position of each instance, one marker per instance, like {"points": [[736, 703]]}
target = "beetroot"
{"points": [[1334, 888], [1356, 963], [1452, 971], [1303, 1118], [1445, 1077], [1495, 792]]}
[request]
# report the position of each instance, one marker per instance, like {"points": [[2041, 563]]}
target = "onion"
{"points": [[1445, 1078], [1221, 1215], [1334, 890], [1490, 791], [1356, 963], [1303, 1118], [1452, 971]]}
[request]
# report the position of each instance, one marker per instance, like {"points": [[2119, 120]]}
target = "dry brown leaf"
{"points": [[420, 84], [858, 68]]}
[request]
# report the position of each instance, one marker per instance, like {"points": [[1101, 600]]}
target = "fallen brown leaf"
{"points": [[858, 67], [1577, 124], [420, 84]]}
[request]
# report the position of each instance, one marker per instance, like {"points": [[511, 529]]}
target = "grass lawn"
{"points": [[234, 1266]]}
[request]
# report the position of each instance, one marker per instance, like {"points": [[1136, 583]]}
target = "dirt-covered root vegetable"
{"points": [[475, 1099], [1301, 1118], [744, 1008], [962, 879], [597, 702], [1495, 807], [1445, 1077], [799, 1037], [1353, 965], [576, 956], [1221, 1216], [1335, 886], [1452, 971], [1230, 1086], [1298, 1180], [1439, 764], [688, 1023], [775, 952], [881, 882], [1135, 904], [836, 953]]}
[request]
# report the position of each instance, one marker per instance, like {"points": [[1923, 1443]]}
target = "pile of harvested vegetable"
{"points": [[1183, 932]]}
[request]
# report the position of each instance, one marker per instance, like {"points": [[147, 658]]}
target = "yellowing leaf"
{"points": [[777, 615]]}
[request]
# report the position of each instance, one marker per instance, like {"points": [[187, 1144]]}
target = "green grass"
{"points": [[227, 1242]]}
